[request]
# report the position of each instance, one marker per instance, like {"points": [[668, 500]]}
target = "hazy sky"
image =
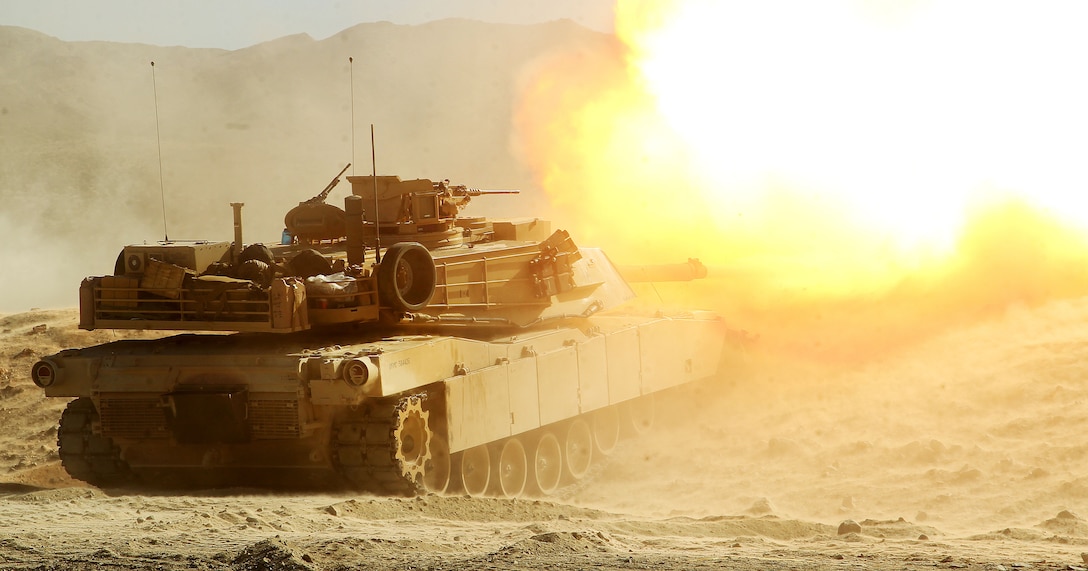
{"points": [[233, 24]]}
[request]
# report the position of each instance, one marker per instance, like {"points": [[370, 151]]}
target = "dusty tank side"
{"points": [[486, 356]]}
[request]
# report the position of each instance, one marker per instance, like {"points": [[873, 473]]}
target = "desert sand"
{"points": [[962, 451]]}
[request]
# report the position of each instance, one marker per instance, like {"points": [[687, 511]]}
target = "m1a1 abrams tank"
{"points": [[486, 356]]}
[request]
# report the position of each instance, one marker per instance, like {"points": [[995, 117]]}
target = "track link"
{"points": [[87, 456], [365, 450]]}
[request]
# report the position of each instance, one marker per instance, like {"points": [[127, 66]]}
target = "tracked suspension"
{"points": [[386, 448], [88, 456]]}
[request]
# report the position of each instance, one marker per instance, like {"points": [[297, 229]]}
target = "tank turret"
{"points": [[435, 265]]}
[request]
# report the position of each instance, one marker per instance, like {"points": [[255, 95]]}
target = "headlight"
{"points": [[358, 371], [44, 373]]}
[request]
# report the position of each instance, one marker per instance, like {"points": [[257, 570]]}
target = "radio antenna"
{"points": [[158, 143], [374, 177], [351, 80]]}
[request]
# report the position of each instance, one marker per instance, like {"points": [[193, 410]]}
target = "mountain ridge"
{"points": [[266, 125]]}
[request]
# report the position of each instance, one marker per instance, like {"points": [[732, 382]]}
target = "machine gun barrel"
{"points": [[478, 192], [321, 196]]}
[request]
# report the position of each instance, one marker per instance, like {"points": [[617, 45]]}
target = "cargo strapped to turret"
{"points": [[204, 303]]}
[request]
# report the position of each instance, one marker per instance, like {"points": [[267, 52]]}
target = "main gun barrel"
{"points": [[693, 269]]}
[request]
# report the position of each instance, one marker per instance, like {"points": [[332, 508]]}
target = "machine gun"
{"points": [[456, 197], [321, 196], [313, 220], [458, 190]]}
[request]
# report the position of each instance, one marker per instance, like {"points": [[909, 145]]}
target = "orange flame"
{"points": [[891, 168]]}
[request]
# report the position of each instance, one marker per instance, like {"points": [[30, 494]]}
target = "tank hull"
{"points": [[388, 413]]}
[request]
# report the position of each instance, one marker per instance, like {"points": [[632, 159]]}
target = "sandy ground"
{"points": [[962, 451]]}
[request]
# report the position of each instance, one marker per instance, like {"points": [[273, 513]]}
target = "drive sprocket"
{"points": [[412, 438]]}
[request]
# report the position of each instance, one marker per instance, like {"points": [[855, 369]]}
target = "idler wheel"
{"points": [[547, 463], [476, 470], [513, 469], [578, 449], [606, 429], [406, 277]]}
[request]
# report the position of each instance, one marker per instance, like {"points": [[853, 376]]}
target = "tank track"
{"points": [[87, 456], [365, 450]]}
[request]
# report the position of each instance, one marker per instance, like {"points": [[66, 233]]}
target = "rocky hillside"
{"points": [[267, 125]]}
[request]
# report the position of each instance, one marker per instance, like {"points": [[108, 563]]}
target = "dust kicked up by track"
{"points": [[963, 450]]}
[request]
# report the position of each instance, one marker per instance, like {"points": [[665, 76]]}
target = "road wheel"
{"points": [[547, 464], [606, 429], [436, 473], [639, 414], [513, 468], [578, 449], [476, 470]]}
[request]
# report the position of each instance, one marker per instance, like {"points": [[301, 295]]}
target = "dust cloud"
{"points": [[891, 236], [935, 399], [268, 126], [970, 431]]}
